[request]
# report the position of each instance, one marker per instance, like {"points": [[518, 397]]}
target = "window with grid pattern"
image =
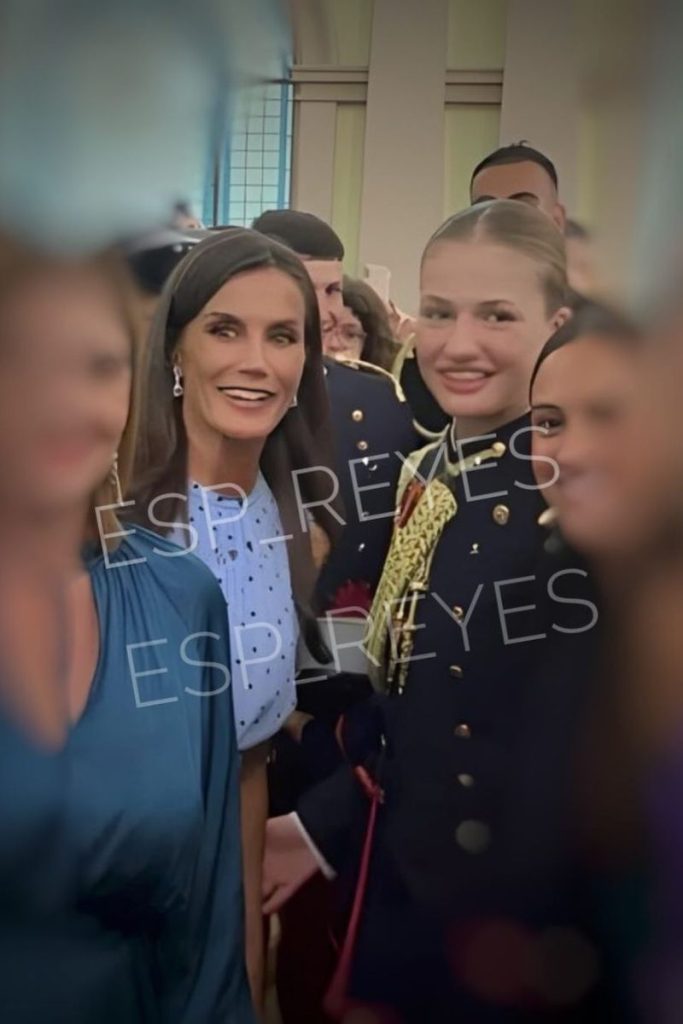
{"points": [[252, 170]]}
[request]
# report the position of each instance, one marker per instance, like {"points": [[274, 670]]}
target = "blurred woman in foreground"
{"points": [[606, 456], [150, 800]]}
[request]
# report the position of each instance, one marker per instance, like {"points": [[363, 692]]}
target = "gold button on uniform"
{"points": [[501, 514], [357, 415], [456, 671], [466, 780], [473, 836], [458, 612], [498, 448], [463, 731], [362, 446]]}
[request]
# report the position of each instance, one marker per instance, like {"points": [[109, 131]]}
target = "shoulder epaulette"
{"points": [[360, 364], [413, 463], [406, 351]]}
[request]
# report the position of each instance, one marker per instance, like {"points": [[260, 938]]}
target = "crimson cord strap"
{"points": [[335, 999]]}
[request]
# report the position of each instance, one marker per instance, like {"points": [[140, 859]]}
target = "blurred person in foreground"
{"points": [[593, 459], [150, 800], [606, 401], [38, 555]]}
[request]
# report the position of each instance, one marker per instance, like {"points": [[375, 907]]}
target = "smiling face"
{"points": [[327, 277], [482, 324], [588, 408], [242, 357], [346, 339], [65, 380]]}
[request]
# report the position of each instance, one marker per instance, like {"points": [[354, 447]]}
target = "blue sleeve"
{"points": [[215, 988]]}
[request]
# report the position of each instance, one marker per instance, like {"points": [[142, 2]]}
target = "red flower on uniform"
{"points": [[352, 599]]}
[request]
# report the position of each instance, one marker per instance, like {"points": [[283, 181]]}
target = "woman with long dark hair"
{"points": [[234, 449]]}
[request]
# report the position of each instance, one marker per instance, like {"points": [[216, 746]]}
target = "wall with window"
{"points": [[385, 107], [249, 168]]}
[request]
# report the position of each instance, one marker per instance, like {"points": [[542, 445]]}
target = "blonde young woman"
{"points": [[457, 883]]}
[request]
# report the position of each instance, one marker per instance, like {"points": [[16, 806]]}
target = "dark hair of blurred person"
{"points": [[364, 330], [151, 258], [519, 172], [68, 338]]}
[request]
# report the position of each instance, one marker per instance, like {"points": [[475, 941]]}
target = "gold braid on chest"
{"points": [[424, 510]]}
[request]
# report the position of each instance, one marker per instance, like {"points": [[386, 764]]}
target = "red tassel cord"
{"points": [[336, 999]]}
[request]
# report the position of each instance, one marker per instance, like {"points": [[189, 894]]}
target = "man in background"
{"points": [[371, 421], [519, 172], [370, 424]]}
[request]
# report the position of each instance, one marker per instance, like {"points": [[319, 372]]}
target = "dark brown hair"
{"points": [[591, 318], [302, 440], [380, 346]]}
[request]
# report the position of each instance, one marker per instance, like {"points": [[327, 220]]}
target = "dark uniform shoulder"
{"points": [[428, 417], [356, 372], [369, 413]]}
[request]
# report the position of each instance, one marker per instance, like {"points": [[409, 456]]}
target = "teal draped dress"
{"points": [[153, 800]]}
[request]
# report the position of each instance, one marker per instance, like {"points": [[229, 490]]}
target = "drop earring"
{"points": [[115, 479], [178, 378], [295, 401]]}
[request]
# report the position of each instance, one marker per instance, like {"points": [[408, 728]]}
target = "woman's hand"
{"points": [[288, 863], [320, 545]]}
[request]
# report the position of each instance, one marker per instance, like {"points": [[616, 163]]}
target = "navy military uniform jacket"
{"points": [[372, 429], [467, 836], [373, 435]]}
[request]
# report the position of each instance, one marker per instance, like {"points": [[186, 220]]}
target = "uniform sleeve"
{"points": [[333, 814], [215, 989]]}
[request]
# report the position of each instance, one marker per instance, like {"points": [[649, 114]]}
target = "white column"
{"points": [[315, 125], [541, 85], [402, 200]]}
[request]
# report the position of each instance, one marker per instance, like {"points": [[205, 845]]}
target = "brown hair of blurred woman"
{"points": [[379, 345], [40, 544]]}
